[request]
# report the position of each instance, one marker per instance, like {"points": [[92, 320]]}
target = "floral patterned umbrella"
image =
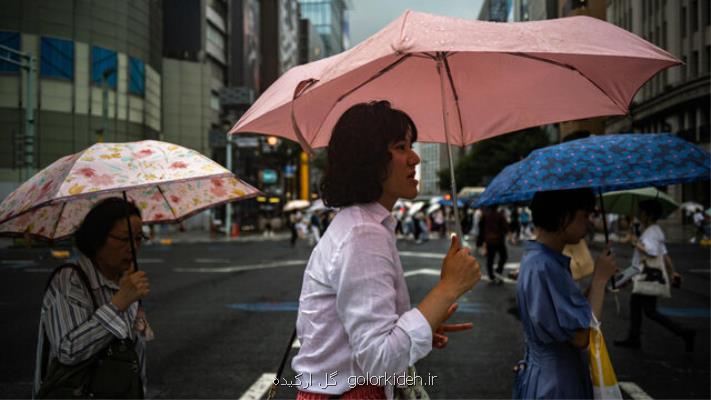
{"points": [[167, 182]]}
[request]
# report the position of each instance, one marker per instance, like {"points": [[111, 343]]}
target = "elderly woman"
{"points": [[91, 315], [355, 321]]}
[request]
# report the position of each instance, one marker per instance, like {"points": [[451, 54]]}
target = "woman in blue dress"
{"points": [[555, 315]]}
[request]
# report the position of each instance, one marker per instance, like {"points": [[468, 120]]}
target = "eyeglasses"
{"points": [[137, 239]]}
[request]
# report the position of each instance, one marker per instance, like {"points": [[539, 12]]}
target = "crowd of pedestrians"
{"points": [[355, 317]]}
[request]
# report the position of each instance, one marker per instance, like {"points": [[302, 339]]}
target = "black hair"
{"points": [[97, 224], [651, 207], [358, 154], [554, 210]]}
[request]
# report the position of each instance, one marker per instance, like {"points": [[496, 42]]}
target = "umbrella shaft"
{"points": [[457, 221]]}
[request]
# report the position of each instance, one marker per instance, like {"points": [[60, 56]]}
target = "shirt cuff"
{"points": [[420, 333], [109, 317]]}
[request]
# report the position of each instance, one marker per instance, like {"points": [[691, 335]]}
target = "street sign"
{"points": [[246, 141]]}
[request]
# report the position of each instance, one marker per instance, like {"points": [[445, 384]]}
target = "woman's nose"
{"points": [[414, 158]]}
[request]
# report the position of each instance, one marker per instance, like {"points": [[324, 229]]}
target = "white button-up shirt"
{"points": [[355, 318]]}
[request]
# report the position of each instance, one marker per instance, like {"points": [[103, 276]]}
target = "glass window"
{"points": [[57, 58], [214, 101], [682, 22], [214, 36], [11, 40], [103, 61], [136, 76]]}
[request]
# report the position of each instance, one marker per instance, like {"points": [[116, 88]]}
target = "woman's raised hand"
{"points": [[460, 271], [133, 286]]}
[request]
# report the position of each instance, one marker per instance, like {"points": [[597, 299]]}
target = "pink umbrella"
{"points": [[167, 182], [463, 81]]}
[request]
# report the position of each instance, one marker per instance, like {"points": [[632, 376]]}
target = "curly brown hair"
{"points": [[358, 154]]}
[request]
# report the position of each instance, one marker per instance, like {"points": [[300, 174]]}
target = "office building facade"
{"points": [[98, 78]]}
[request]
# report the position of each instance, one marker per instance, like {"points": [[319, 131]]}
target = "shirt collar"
{"points": [[380, 214], [560, 257], [96, 278]]}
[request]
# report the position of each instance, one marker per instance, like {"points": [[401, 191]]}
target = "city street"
{"points": [[223, 312]]}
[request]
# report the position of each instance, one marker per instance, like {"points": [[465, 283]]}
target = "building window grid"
{"points": [[11, 40], [682, 22], [694, 15], [136, 77], [694, 64], [103, 60], [57, 58]]}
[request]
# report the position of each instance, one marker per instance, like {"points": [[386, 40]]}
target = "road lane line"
{"points": [[421, 254], [38, 269], [634, 391], [436, 272], [423, 271], [238, 268], [150, 261], [260, 387], [212, 260]]}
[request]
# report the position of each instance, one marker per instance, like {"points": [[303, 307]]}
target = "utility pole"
{"points": [[28, 63], [228, 206]]}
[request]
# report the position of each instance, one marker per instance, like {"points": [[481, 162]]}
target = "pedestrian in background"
{"points": [[493, 229], [555, 315], [651, 245], [514, 226], [355, 317], [90, 312]]}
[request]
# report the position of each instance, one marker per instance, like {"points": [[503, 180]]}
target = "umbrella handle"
{"points": [[604, 227], [130, 232]]}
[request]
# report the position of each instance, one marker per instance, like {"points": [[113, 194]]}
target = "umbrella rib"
{"points": [[59, 217], [167, 202], [376, 75], [372, 78], [572, 68], [456, 96]]}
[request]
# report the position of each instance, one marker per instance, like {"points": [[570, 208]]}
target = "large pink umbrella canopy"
{"points": [[167, 182], [462, 81], [496, 78]]}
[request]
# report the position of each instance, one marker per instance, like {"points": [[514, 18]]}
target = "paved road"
{"points": [[223, 312]]}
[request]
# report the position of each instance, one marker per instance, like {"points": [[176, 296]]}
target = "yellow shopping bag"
{"points": [[603, 375]]}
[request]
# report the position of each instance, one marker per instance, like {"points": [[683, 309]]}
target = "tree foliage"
{"points": [[486, 159]]}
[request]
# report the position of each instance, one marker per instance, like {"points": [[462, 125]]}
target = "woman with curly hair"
{"points": [[355, 321]]}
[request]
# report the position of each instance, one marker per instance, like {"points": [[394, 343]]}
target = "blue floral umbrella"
{"points": [[604, 163]]}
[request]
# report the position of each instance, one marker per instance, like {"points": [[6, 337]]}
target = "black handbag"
{"points": [[112, 373]]}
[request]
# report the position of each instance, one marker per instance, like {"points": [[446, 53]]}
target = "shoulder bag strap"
{"points": [[273, 388]]}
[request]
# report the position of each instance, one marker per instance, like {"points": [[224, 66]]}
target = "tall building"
{"points": [[496, 10], [677, 99], [98, 77], [311, 46], [195, 54], [329, 19], [279, 29], [583, 127]]}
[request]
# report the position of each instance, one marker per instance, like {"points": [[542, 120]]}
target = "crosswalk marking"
{"points": [[634, 391], [260, 387]]}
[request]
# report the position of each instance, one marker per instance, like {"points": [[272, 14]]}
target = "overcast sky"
{"points": [[369, 16]]}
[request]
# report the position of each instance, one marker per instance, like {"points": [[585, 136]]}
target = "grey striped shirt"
{"points": [[77, 332]]}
